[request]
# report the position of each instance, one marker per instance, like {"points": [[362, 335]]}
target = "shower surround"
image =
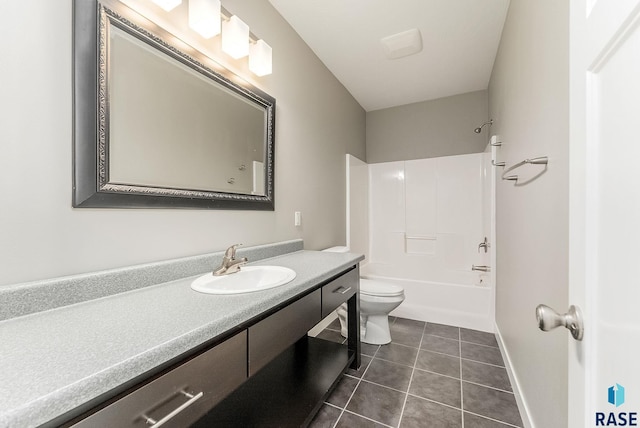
{"points": [[426, 220]]}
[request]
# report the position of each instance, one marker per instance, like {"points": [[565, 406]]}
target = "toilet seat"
{"points": [[372, 287]]}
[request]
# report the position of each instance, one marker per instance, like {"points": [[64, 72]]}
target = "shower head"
{"points": [[479, 129]]}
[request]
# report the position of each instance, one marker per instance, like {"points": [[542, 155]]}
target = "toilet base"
{"points": [[374, 329]]}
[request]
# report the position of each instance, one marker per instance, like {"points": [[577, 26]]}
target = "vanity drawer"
{"points": [[184, 394], [339, 291], [269, 337]]}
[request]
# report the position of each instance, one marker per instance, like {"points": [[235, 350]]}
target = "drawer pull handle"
{"points": [[192, 399], [342, 290]]}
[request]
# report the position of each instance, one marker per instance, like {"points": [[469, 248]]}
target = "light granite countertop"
{"points": [[56, 360]]}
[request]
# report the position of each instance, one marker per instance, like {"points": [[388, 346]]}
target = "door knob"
{"points": [[548, 319]]}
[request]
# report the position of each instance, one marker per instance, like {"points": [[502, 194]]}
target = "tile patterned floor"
{"points": [[430, 375]]}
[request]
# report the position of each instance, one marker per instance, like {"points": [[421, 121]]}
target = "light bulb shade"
{"points": [[260, 62], [167, 4], [235, 37], [204, 17]]}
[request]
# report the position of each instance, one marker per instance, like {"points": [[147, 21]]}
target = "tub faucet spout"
{"points": [[229, 262]]}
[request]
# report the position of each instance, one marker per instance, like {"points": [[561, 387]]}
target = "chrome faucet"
{"points": [[229, 262], [484, 244]]}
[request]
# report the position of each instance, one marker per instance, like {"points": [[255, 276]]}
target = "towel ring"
{"points": [[543, 160]]}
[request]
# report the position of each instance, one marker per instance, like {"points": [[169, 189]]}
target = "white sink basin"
{"points": [[248, 280]]}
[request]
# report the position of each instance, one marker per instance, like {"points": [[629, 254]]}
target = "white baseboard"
{"points": [[522, 405]]}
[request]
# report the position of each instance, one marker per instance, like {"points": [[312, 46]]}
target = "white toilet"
{"points": [[377, 299]]}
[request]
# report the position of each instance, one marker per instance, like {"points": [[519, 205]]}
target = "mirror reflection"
{"points": [[172, 127], [171, 131]]}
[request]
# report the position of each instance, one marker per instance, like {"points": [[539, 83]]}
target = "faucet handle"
{"points": [[484, 244], [231, 251]]}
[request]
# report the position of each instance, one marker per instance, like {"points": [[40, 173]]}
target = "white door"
{"points": [[604, 369]]}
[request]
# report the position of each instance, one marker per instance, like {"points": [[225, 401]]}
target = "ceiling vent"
{"points": [[402, 44]]}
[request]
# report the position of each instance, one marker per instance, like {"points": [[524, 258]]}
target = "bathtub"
{"points": [[467, 302]]}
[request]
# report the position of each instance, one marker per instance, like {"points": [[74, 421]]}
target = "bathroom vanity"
{"points": [[283, 374], [166, 355]]}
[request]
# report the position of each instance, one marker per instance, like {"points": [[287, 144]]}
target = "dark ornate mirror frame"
{"points": [[91, 186]]}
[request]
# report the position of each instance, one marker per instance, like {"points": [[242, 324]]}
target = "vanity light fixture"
{"points": [[204, 17], [260, 62], [167, 5], [235, 37], [209, 18]]}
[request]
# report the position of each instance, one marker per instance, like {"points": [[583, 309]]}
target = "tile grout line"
{"points": [[459, 356], [449, 355], [387, 387], [369, 419], [474, 383], [441, 337], [482, 362], [487, 386], [345, 405], [479, 344], [439, 353], [413, 370], [396, 363], [438, 374], [460, 339], [354, 391], [494, 420], [436, 402], [443, 375]]}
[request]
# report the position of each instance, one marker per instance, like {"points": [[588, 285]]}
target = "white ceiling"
{"points": [[460, 39]]}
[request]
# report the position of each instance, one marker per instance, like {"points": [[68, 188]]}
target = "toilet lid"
{"points": [[379, 288]]}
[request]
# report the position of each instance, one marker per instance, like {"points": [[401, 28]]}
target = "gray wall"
{"points": [[529, 101], [42, 236], [428, 129]]}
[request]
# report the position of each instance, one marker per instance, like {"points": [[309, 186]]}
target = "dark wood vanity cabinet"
{"points": [[339, 291], [183, 395], [269, 337], [269, 374]]}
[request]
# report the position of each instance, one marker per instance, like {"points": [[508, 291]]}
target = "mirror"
{"points": [[157, 126]]}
